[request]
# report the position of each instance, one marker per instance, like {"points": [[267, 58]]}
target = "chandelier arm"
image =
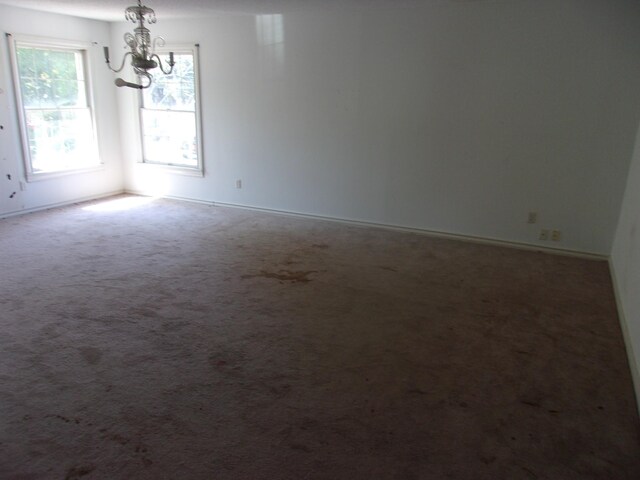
{"points": [[120, 82], [121, 65], [171, 63], [148, 76], [123, 83]]}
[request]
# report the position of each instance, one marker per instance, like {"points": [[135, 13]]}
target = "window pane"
{"points": [[63, 65], [67, 93], [170, 137], [60, 139], [40, 69], [175, 91]]}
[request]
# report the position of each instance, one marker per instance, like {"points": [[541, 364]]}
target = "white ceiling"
{"points": [[113, 10]]}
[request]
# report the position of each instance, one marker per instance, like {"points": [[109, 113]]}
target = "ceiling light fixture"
{"points": [[143, 56]]}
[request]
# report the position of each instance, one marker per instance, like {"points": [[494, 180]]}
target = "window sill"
{"points": [[176, 169], [37, 177]]}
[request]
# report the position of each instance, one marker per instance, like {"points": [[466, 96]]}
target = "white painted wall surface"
{"points": [[449, 116], [625, 262], [68, 188]]}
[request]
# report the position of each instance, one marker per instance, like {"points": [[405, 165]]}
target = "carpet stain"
{"points": [[320, 246], [143, 312], [280, 390], [284, 275], [417, 391], [141, 449], [389, 269], [77, 472], [122, 440], [228, 360], [301, 447], [91, 355], [193, 308], [308, 423], [141, 452], [533, 475], [64, 419]]}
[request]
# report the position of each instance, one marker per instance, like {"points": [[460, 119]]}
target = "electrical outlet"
{"points": [[544, 234], [533, 217], [238, 183], [556, 235], [23, 186]]}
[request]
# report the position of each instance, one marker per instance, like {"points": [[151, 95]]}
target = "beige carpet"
{"points": [[181, 341]]}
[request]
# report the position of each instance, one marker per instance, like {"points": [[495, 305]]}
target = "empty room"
{"points": [[320, 239]]}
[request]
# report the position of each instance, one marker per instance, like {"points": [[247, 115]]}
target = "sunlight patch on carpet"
{"points": [[120, 204]]}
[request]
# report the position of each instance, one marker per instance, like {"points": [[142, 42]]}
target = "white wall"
{"points": [[625, 263], [453, 116], [449, 116], [68, 188]]}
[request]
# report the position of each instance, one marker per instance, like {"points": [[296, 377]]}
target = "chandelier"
{"points": [[142, 48]]}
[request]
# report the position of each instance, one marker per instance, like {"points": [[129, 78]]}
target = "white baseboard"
{"points": [[432, 233], [400, 228], [421, 231], [634, 363], [60, 204]]}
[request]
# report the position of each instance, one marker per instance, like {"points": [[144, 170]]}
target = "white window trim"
{"points": [[48, 42], [198, 170]]}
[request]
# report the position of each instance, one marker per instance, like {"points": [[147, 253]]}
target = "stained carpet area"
{"points": [[165, 340]]}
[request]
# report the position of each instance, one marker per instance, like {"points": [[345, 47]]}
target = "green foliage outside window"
{"points": [[50, 78]]}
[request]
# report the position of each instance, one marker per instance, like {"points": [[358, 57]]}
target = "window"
{"points": [[54, 106], [169, 114]]}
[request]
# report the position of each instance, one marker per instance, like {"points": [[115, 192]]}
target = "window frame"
{"points": [[198, 170], [83, 48]]}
